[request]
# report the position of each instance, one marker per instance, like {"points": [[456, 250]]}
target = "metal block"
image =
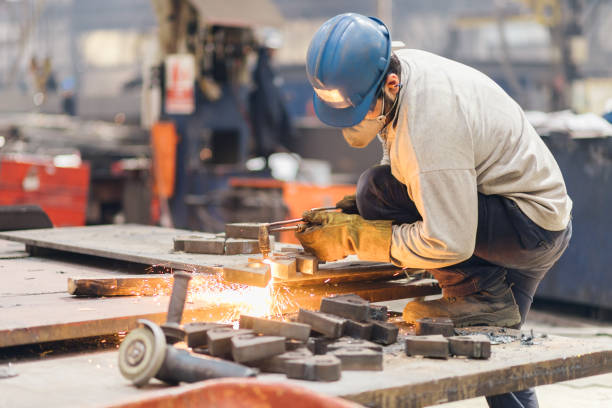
{"points": [[315, 368], [248, 230], [282, 267], [349, 306], [359, 358], [478, 346], [245, 321], [437, 325], [347, 342], [307, 264], [378, 313], [358, 330], [219, 340], [237, 246], [435, 346], [326, 324], [252, 273], [250, 347], [195, 333], [290, 330], [383, 332], [318, 345], [179, 241], [277, 364], [212, 246]]}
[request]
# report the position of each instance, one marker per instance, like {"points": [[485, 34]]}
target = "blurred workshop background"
{"points": [[194, 113]]}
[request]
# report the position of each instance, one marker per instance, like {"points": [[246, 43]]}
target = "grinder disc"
{"points": [[142, 353]]}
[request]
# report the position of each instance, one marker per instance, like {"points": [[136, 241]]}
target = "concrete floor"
{"points": [[590, 392]]}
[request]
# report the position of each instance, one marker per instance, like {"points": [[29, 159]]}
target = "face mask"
{"points": [[365, 131]]}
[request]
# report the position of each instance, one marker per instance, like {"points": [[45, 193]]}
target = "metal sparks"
{"points": [[212, 290]]}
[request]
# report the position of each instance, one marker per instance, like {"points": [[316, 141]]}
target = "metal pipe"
{"points": [[291, 228], [182, 366], [324, 209], [293, 221]]}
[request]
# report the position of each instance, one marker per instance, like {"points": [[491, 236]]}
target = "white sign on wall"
{"points": [[180, 80]]}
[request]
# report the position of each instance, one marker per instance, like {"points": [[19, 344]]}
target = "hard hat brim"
{"points": [[345, 117]]}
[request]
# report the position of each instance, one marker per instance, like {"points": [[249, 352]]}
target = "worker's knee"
{"points": [[371, 180], [380, 196], [369, 194]]}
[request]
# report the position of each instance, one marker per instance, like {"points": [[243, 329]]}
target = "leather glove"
{"points": [[348, 204], [334, 235]]}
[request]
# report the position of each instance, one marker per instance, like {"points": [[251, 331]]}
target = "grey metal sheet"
{"points": [[132, 243]]}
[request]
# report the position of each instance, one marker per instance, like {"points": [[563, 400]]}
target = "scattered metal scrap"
{"points": [[529, 339], [497, 335], [144, 354], [251, 238], [259, 342]]}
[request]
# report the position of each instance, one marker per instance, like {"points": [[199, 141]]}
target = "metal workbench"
{"points": [[36, 308]]}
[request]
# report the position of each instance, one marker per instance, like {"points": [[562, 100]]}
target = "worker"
{"points": [[467, 189], [270, 122]]}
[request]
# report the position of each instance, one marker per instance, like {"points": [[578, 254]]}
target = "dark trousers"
{"points": [[507, 243]]}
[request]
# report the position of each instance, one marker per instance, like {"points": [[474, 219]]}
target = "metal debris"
{"points": [[529, 339], [497, 335]]}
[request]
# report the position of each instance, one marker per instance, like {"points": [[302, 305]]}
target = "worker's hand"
{"points": [[348, 204], [333, 235]]}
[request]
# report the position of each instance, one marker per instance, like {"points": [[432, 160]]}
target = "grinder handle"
{"points": [[182, 366]]}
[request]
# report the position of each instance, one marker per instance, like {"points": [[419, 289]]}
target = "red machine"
{"points": [[60, 191]]}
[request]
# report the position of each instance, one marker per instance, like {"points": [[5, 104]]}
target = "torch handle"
{"points": [[182, 366]]}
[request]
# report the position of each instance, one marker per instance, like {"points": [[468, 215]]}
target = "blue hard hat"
{"points": [[346, 63]]}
